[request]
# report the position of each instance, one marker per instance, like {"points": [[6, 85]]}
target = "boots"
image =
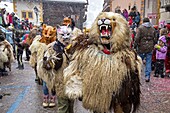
{"points": [[45, 101], [18, 66], [52, 101], [3, 72], [21, 67]]}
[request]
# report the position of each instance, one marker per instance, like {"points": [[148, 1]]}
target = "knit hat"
{"points": [[163, 31], [163, 39], [146, 20]]}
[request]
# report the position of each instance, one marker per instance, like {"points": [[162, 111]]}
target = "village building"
{"points": [[55, 10], [51, 12], [30, 9], [146, 8], [151, 10], [165, 11]]}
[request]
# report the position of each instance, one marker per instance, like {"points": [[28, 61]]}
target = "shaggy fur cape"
{"points": [[6, 54], [37, 49], [53, 77], [105, 81]]}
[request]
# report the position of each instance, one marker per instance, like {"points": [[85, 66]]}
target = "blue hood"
{"points": [[147, 24]]}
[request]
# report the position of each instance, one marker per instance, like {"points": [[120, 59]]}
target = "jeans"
{"points": [[148, 58], [45, 90]]}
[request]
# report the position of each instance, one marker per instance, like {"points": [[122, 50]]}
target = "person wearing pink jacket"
{"points": [[161, 50]]}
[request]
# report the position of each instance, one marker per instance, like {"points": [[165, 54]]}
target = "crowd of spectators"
{"points": [[10, 19], [133, 17]]}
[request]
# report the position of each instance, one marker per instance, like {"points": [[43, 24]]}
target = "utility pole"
{"points": [[158, 11], [110, 2]]}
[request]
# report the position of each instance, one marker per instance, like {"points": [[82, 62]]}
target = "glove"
{"points": [[157, 46]]}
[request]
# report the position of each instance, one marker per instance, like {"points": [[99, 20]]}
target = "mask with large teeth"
{"points": [[106, 27], [105, 30]]}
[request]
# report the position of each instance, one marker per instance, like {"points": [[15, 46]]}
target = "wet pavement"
{"points": [[22, 94]]}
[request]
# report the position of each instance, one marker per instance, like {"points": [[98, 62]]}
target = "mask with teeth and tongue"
{"points": [[106, 51]]}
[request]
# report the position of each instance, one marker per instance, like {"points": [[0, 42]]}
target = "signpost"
{"points": [[152, 15]]}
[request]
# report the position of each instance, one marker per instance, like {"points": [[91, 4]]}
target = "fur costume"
{"points": [[104, 71], [48, 34], [39, 45], [36, 48], [6, 54], [40, 50], [50, 69], [33, 33]]}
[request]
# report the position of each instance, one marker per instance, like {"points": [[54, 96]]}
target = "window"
{"points": [[24, 14], [27, 14], [30, 15]]}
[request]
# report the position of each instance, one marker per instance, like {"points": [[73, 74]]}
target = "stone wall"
{"points": [[54, 12]]}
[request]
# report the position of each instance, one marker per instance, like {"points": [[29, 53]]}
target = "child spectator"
{"points": [[161, 51]]}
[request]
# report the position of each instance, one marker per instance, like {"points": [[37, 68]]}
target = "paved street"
{"points": [[24, 95]]}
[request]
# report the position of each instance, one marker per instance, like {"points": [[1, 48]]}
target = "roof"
{"points": [[7, 5], [74, 1]]}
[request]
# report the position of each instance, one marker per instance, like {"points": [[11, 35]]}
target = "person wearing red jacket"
{"points": [[167, 60]]}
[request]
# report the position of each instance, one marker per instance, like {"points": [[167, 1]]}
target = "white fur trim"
{"points": [[74, 87]]}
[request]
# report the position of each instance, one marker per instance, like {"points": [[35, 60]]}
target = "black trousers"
{"points": [[19, 57], [159, 67]]}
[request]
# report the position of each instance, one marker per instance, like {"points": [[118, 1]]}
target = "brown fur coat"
{"points": [[105, 82]]}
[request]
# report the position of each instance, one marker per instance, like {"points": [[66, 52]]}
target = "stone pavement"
{"points": [[23, 95]]}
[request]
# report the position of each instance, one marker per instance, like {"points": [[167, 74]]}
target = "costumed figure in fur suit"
{"points": [[50, 61], [37, 48], [66, 36], [50, 68], [6, 54], [103, 71], [33, 33]]}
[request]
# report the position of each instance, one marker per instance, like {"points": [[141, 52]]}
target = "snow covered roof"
{"points": [[7, 5], [75, 1]]}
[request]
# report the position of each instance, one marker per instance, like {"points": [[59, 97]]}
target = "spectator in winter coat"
{"points": [[154, 51], [26, 46], [167, 60], [130, 21], [144, 44], [125, 14], [161, 50], [20, 50], [132, 13], [11, 19], [137, 19], [7, 18]]}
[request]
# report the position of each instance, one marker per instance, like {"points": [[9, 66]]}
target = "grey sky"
{"points": [[94, 8]]}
